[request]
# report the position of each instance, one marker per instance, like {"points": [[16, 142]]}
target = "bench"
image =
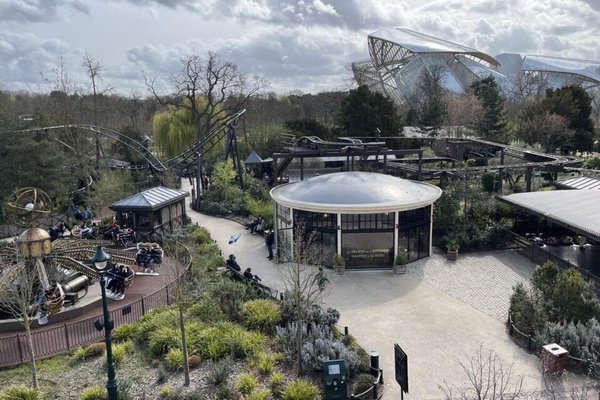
{"points": [[259, 288]]}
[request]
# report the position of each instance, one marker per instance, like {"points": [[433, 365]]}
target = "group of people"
{"points": [[82, 215], [232, 263], [256, 224], [118, 274], [86, 231], [60, 230]]}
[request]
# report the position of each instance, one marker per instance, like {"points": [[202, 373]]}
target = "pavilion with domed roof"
{"points": [[367, 218]]}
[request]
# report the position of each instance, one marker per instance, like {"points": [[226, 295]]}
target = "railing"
{"points": [[539, 256], [58, 339]]}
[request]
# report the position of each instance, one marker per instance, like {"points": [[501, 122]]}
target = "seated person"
{"points": [[54, 233], [249, 275], [120, 280], [114, 231], [113, 274], [233, 264], [260, 226], [255, 223], [85, 231], [63, 229]]}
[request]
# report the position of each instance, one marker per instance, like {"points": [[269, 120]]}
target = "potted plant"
{"points": [[339, 264], [400, 262], [452, 249]]}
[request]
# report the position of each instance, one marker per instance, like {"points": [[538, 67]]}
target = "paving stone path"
{"points": [[482, 280]]}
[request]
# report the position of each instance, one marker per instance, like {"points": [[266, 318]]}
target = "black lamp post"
{"points": [[100, 262]]}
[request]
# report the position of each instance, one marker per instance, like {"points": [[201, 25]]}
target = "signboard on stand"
{"points": [[401, 363]]}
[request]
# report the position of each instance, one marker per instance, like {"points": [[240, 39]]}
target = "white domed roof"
{"points": [[356, 192]]}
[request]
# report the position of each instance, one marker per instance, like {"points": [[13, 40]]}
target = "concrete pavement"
{"points": [[437, 324]]}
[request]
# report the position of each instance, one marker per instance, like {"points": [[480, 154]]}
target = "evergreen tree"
{"points": [[363, 111], [575, 104], [492, 125]]}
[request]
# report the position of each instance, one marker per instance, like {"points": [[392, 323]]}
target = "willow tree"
{"points": [[210, 89], [173, 131]]}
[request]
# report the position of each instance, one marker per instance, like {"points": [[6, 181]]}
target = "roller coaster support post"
{"points": [[232, 148], [199, 187]]}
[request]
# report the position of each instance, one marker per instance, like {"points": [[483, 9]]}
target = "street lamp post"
{"points": [[100, 262]]}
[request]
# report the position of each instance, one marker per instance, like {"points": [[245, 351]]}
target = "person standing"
{"points": [[322, 280], [270, 241]]}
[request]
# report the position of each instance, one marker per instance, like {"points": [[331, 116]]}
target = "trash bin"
{"points": [[554, 359]]}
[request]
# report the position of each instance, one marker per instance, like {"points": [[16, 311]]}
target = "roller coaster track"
{"points": [[201, 147], [531, 159]]}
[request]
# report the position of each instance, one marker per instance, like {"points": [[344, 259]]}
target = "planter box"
{"points": [[399, 269], [452, 254]]}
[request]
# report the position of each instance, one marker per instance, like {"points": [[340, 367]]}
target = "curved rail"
{"points": [[200, 147]]}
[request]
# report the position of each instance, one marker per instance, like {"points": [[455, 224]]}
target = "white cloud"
{"points": [[37, 10], [301, 44]]}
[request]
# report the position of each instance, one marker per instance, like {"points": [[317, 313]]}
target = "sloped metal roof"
{"points": [[580, 182], [151, 199], [577, 209], [253, 158], [584, 68], [420, 43]]}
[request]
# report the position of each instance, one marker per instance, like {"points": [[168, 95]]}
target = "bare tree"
{"points": [[61, 87], [210, 89], [184, 289], [19, 286], [94, 69], [489, 378], [544, 128], [432, 108], [303, 282], [463, 112]]}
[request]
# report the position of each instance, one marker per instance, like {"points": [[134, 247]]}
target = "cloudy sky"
{"points": [[301, 45]]}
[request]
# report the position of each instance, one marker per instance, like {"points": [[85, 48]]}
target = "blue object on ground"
{"points": [[234, 238]]}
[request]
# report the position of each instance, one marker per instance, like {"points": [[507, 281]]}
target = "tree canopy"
{"points": [[363, 111], [493, 124], [561, 119], [209, 88]]}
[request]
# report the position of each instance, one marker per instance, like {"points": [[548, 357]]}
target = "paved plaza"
{"points": [[440, 312]]}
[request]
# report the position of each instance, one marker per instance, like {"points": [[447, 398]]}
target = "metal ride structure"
{"points": [[410, 163], [188, 162], [61, 266], [351, 149], [181, 161]]}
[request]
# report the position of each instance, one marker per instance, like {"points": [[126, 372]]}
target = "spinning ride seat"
{"points": [[149, 254], [55, 299]]}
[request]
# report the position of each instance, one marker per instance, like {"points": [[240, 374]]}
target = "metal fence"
{"points": [[539, 256], [71, 335], [58, 339]]}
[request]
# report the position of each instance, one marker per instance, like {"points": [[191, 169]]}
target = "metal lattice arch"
{"points": [[543, 72], [399, 57]]}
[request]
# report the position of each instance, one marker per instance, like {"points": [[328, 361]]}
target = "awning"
{"points": [[578, 210]]}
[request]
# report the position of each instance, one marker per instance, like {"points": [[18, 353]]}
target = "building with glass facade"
{"points": [[368, 218], [399, 57]]}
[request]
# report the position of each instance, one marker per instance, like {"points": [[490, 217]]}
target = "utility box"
{"points": [[554, 359], [334, 374]]}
